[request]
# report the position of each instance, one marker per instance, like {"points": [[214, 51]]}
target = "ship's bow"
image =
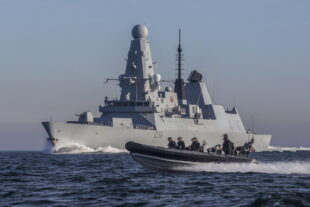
{"points": [[48, 126]]}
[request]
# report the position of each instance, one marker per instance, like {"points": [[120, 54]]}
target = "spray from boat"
{"points": [[292, 167]]}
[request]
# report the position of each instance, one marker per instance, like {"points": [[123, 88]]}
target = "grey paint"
{"points": [[149, 113]]}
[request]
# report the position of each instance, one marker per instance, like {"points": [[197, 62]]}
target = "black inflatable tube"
{"points": [[182, 155]]}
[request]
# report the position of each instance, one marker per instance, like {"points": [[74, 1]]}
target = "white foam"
{"points": [[77, 148], [291, 149], [268, 167]]}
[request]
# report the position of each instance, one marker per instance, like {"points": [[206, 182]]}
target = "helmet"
{"points": [[225, 136]]}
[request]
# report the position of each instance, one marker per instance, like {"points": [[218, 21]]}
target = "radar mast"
{"points": [[179, 82]]}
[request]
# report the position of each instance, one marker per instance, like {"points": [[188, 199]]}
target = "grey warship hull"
{"points": [[93, 135], [147, 114]]}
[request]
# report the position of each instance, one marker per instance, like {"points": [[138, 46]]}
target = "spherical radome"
{"points": [[168, 89], [157, 77], [139, 31]]}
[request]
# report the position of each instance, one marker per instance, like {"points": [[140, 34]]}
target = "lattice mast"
{"points": [[179, 82]]}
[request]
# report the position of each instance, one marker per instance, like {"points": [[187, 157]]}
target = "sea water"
{"points": [[81, 176]]}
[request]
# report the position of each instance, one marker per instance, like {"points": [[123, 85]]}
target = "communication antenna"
{"points": [[179, 82], [180, 57]]}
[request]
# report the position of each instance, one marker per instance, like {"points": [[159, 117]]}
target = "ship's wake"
{"points": [[77, 149], [295, 167], [291, 149]]}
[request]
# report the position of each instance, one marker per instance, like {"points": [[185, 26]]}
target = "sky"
{"points": [[56, 55]]}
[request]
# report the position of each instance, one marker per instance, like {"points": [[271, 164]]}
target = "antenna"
{"points": [[179, 82], [179, 57]]}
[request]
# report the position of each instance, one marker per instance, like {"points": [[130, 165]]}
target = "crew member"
{"points": [[218, 149], [246, 148], [212, 149], [181, 144], [171, 143], [228, 146], [249, 145], [195, 146], [202, 147]]}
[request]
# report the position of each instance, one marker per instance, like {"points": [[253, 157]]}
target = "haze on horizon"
{"points": [[56, 55]]}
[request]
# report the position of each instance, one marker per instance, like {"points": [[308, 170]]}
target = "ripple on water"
{"points": [[100, 179]]}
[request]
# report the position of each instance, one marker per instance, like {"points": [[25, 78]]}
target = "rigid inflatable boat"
{"points": [[168, 159]]}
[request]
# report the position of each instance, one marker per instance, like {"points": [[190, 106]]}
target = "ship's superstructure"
{"points": [[144, 113]]}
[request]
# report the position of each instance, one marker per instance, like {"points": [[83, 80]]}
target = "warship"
{"points": [[147, 114]]}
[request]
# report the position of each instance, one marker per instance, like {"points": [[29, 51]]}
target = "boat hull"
{"points": [[95, 135], [183, 155], [160, 158], [157, 163]]}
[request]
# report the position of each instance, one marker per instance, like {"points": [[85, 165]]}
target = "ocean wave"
{"points": [[77, 148], [296, 167], [291, 149]]}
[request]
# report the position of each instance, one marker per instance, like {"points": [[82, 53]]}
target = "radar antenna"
{"points": [[179, 82], [180, 57]]}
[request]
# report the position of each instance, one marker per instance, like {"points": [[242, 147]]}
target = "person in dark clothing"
{"points": [[181, 144], [195, 146], [211, 149], [228, 146], [246, 148], [240, 150], [249, 145], [171, 144]]}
